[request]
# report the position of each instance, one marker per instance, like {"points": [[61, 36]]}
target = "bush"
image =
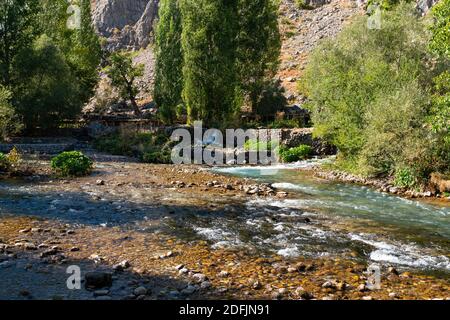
{"points": [[5, 165], [301, 4], [9, 121], [49, 92], [256, 145], [369, 94], [404, 178], [72, 163], [295, 154], [152, 148]]}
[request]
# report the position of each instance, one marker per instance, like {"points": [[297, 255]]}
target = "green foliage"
{"points": [[270, 100], [404, 178], [169, 60], [369, 92], [301, 4], [295, 154], [31, 29], [5, 165], [384, 4], [17, 29], [153, 148], [72, 163], [80, 46], [9, 122], [257, 145], [258, 50], [285, 124], [440, 44], [48, 92], [123, 74], [440, 39], [208, 44]]}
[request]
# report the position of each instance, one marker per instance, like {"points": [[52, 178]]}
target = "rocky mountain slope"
{"points": [[128, 24]]}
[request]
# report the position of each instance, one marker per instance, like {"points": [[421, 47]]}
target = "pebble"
{"points": [[183, 271], [199, 277], [362, 287], [121, 265], [223, 274], [190, 289], [100, 182], [205, 285], [99, 293], [393, 295], [367, 298], [140, 291]]}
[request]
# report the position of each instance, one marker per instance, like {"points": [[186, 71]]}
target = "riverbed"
{"points": [[198, 232]]}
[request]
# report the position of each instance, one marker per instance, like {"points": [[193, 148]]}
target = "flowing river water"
{"points": [[319, 218], [345, 220]]}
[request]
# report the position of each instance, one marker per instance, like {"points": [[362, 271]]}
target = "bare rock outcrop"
{"points": [[126, 24]]}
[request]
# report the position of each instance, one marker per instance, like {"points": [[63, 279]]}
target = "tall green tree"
{"points": [[80, 46], [369, 95], [258, 47], [17, 30], [123, 75], [48, 92], [209, 42], [169, 60], [440, 45]]}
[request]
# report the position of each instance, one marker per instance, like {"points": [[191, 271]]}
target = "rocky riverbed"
{"points": [[125, 227]]}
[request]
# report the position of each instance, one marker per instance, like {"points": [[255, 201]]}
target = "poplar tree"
{"points": [[209, 49], [169, 60], [258, 46]]}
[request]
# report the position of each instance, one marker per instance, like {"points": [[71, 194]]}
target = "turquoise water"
{"points": [[349, 219]]}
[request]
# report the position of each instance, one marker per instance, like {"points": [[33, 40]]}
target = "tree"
{"points": [[17, 22], [169, 60], [9, 121], [48, 92], [123, 75], [258, 47], [209, 49], [369, 95], [440, 29], [80, 46], [440, 45]]}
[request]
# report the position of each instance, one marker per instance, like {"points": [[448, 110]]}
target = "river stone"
{"points": [[97, 280], [140, 291], [99, 293]]}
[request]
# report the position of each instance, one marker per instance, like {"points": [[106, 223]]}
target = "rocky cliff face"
{"points": [[126, 24]]}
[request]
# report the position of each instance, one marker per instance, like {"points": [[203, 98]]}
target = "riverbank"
{"points": [[131, 221], [385, 185]]}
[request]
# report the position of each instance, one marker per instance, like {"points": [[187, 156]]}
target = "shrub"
{"points": [[301, 4], [152, 148], [404, 178], [369, 94], [5, 165], [256, 145], [72, 163], [9, 121], [157, 156], [295, 154], [49, 92]]}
